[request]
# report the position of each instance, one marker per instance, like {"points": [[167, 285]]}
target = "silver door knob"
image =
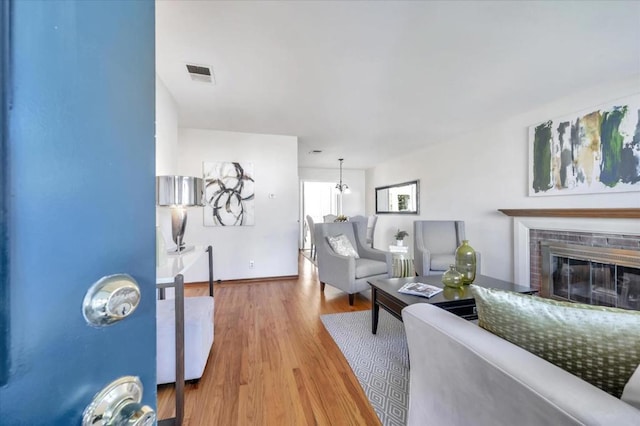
{"points": [[118, 404], [111, 299]]}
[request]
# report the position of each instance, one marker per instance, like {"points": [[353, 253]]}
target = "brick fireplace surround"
{"points": [[610, 228]]}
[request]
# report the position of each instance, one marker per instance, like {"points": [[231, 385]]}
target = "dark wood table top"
{"points": [[448, 295]]}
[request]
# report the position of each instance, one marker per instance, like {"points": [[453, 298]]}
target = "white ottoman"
{"points": [[198, 337]]}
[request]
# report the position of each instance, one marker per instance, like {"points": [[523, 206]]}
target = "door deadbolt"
{"points": [[118, 404], [111, 299]]}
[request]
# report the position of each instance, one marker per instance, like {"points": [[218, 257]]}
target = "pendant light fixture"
{"points": [[342, 187]]}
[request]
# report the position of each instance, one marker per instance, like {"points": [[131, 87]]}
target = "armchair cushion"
{"points": [[342, 246], [441, 262], [367, 268]]}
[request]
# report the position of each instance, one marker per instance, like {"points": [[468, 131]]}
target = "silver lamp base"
{"points": [[183, 249]]}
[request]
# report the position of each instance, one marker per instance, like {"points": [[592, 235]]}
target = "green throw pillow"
{"points": [[600, 345]]}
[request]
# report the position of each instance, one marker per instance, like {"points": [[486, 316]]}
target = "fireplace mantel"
{"points": [[622, 213]]}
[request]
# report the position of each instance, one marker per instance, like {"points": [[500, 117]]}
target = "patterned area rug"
{"points": [[380, 361]]}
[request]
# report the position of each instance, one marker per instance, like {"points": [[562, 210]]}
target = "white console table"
{"points": [[171, 276], [178, 264]]}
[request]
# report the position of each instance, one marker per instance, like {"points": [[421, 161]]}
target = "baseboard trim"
{"points": [[248, 280]]}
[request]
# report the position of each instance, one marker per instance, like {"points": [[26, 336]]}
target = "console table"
{"points": [[171, 276]]}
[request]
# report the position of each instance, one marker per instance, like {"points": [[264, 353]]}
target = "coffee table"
{"points": [[384, 293]]}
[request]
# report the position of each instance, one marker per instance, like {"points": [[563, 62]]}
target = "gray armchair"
{"points": [[435, 243], [369, 227], [362, 230], [328, 218], [347, 273]]}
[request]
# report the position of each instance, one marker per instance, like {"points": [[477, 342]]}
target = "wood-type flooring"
{"points": [[272, 361]]}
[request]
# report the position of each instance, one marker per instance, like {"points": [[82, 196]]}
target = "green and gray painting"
{"points": [[592, 150]]}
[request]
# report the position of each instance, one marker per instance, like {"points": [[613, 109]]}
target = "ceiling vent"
{"points": [[315, 151], [201, 73]]}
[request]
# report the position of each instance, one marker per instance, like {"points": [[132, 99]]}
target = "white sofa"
{"points": [[463, 375]]}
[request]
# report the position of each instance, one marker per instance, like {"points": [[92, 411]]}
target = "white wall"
{"points": [[273, 242], [166, 131], [471, 176]]}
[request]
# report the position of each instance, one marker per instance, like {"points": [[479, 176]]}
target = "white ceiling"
{"points": [[367, 80]]}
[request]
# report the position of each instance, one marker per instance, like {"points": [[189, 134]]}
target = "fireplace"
{"points": [[595, 275], [609, 228]]}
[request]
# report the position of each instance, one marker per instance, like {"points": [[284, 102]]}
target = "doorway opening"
{"points": [[318, 199]]}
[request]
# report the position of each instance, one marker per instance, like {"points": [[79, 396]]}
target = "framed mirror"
{"points": [[401, 198]]}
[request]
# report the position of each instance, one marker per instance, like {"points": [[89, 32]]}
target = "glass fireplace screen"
{"points": [[606, 279]]}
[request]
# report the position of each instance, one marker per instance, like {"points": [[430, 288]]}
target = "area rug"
{"points": [[380, 361]]}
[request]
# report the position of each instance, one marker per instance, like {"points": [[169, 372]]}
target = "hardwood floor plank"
{"points": [[272, 361]]}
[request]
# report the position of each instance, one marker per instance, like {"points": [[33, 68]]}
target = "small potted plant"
{"points": [[400, 237]]}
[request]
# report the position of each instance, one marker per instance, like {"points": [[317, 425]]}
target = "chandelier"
{"points": [[342, 187]]}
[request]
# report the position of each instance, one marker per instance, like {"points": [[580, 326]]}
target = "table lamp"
{"points": [[178, 192]]}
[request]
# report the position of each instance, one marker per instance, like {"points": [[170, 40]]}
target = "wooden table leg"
{"points": [[375, 310]]}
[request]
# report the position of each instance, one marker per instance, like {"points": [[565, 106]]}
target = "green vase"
{"points": [[452, 278], [466, 261]]}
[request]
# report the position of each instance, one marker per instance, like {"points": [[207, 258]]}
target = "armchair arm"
{"points": [[334, 269], [422, 260], [375, 254]]}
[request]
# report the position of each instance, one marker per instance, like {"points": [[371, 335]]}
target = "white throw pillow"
{"points": [[631, 392], [342, 246]]}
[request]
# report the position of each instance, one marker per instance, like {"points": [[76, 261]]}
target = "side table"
{"points": [[171, 276], [402, 262]]}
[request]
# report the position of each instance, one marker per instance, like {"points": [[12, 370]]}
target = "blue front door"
{"points": [[78, 87]]}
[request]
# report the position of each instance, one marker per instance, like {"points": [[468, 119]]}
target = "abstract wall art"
{"points": [[594, 151], [229, 194]]}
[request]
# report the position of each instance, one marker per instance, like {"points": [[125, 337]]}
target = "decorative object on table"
{"points": [[466, 262], [178, 192], [420, 289], [596, 150], [453, 293], [400, 237], [341, 218], [229, 194], [402, 262], [452, 277]]}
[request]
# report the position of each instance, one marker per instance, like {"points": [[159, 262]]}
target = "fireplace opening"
{"points": [[594, 275]]}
